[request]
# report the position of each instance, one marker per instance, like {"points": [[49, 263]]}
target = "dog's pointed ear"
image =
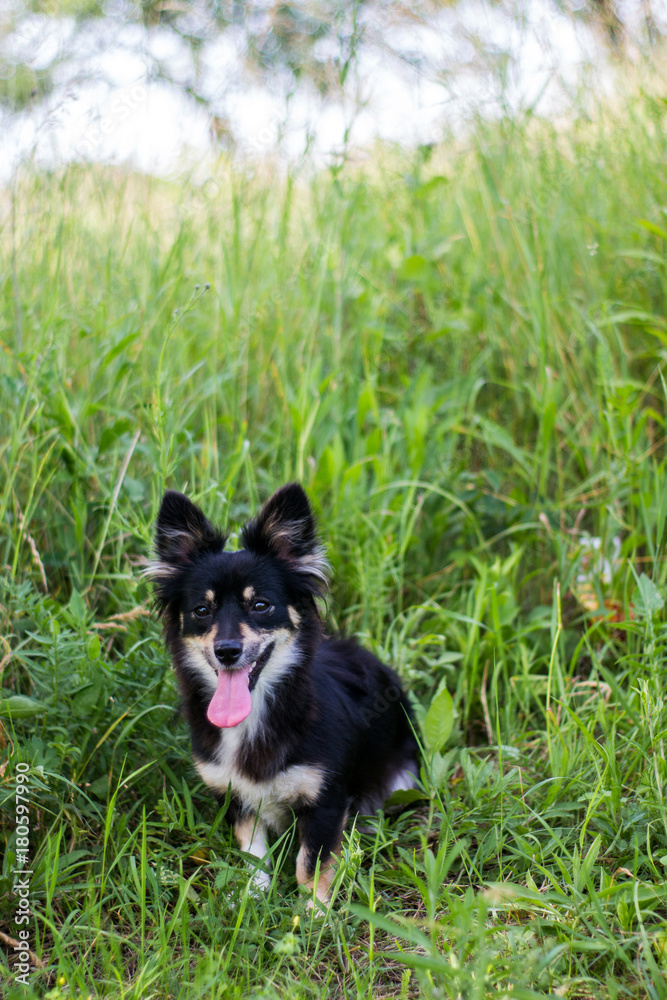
{"points": [[181, 533], [285, 527]]}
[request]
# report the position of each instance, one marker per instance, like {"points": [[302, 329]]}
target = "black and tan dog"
{"points": [[294, 722]]}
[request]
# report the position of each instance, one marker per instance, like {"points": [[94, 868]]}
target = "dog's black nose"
{"points": [[228, 651]]}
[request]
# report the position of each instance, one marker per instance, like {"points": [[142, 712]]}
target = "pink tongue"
{"points": [[231, 702]]}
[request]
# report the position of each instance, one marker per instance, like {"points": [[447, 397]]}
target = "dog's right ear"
{"points": [[285, 527], [181, 534]]}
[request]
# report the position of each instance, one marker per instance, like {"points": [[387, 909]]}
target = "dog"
{"points": [[285, 722]]}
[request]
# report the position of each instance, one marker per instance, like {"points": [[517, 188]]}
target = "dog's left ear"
{"points": [[182, 533], [285, 527]]}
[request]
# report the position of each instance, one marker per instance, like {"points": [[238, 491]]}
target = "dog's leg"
{"points": [[250, 832], [321, 832]]}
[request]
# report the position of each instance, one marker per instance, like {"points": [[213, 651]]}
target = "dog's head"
{"points": [[235, 620]]}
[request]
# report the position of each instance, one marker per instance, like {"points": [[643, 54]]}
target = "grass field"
{"points": [[461, 353]]}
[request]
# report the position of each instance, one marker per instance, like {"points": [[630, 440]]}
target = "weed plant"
{"points": [[461, 353]]}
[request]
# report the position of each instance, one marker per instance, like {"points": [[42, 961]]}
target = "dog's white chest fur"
{"points": [[272, 799]]}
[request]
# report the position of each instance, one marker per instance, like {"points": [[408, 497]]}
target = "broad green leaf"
{"points": [[19, 706], [89, 697], [439, 721], [94, 647], [77, 606], [405, 797]]}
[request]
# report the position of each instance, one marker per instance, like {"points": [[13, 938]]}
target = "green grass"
{"points": [[460, 353]]}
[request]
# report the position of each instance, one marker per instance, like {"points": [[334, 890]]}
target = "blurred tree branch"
{"points": [[317, 41]]}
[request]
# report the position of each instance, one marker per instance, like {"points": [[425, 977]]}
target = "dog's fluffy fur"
{"points": [[327, 728]]}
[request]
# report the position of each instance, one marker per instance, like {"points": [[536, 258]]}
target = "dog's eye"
{"points": [[261, 606], [202, 611]]}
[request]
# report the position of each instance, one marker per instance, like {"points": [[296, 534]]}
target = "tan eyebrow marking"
{"points": [[248, 593], [209, 596]]}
